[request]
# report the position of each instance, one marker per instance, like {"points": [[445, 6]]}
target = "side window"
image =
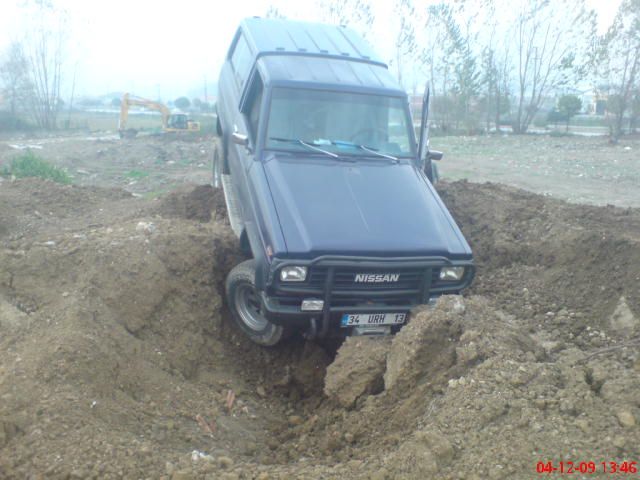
{"points": [[251, 108], [241, 60]]}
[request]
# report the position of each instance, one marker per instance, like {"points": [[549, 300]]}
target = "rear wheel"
{"points": [[245, 305]]}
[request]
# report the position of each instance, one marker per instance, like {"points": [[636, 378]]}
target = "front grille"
{"points": [[387, 300], [344, 279], [435, 275]]}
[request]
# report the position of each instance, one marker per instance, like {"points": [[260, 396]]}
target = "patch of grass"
{"points": [[136, 174], [31, 165]]}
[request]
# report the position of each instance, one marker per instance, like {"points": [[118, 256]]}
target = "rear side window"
{"points": [[241, 60]]}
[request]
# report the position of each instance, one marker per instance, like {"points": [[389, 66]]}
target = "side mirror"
{"points": [[240, 139], [435, 155]]}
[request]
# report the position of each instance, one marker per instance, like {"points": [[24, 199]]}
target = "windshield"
{"points": [[339, 122]]}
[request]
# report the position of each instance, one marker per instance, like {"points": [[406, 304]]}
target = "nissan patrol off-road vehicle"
{"points": [[326, 188]]}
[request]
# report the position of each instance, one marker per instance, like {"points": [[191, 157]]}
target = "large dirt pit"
{"points": [[118, 359]]}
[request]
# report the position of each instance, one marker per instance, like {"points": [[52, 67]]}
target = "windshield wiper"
{"points": [[309, 145], [365, 148]]}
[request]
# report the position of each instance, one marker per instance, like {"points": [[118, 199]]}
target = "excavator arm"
{"points": [[128, 101], [167, 124]]}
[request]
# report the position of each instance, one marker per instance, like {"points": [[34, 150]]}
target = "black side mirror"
{"points": [[435, 155]]}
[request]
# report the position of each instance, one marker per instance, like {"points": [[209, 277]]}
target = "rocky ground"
{"points": [[118, 360]]}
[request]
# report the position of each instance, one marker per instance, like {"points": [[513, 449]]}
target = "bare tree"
{"points": [[552, 41], [462, 59], [496, 66], [14, 74], [635, 111], [405, 40], [274, 12], [44, 50], [439, 66], [619, 62], [496, 80], [357, 14]]}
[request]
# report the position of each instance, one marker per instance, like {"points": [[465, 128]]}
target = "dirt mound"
{"points": [[31, 205], [111, 343], [197, 203], [117, 358], [548, 261], [468, 388]]}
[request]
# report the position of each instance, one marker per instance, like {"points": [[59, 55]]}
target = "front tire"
{"points": [[244, 303]]}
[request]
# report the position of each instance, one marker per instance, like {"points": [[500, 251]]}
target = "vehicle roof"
{"points": [[333, 72], [286, 37]]}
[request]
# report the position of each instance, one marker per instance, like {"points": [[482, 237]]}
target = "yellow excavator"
{"points": [[171, 122]]}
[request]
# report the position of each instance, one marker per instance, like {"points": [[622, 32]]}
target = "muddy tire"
{"points": [[216, 179], [244, 303]]}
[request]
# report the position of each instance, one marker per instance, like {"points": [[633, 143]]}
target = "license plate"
{"points": [[360, 319]]}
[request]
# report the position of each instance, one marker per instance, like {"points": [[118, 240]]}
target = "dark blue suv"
{"points": [[327, 188]]}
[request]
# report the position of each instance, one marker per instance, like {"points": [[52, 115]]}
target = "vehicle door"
{"points": [[248, 122]]}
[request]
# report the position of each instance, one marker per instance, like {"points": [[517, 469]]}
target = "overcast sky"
{"points": [[150, 46]]}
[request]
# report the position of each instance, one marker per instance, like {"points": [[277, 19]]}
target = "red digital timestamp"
{"points": [[586, 468]]}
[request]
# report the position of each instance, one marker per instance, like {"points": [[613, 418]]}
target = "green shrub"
{"points": [[30, 165]]}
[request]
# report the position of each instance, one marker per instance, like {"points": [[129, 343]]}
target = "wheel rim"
{"points": [[248, 305]]}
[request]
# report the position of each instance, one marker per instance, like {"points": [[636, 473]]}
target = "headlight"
{"points": [[293, 274], [451, 274]]}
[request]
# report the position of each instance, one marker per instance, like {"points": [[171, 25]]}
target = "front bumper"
{"points": [[282, 302]]}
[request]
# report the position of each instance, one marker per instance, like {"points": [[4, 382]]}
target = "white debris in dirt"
{"points": [[627, 148], [622, 321], [458, 306], [198, 455], [49, 243], [146, 227]]}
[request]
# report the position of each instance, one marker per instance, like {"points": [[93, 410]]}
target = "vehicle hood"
{"points": [[368, 207]]}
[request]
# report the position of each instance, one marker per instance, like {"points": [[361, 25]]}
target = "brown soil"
{"points": [[118, 360]]}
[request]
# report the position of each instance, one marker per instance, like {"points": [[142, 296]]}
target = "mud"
{"points": [[118, 359]]}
